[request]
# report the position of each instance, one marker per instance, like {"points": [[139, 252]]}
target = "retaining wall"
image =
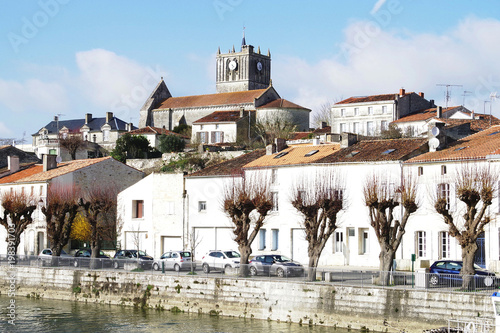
{"points": [[299, 302]]}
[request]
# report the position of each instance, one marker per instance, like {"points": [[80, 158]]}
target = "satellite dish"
{"points": [[58, 159], [434, 143], [435, 131]]}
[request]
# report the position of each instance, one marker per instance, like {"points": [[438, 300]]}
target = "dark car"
{"points": [[122, 256], [275, 264], [82, 258], [449, 270]]}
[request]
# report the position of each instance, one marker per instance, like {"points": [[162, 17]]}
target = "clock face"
{"points": [[259, 66], [232, 65]]}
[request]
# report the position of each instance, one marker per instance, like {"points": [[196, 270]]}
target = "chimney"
{"points": [[431, 103], [88, 118], [269, 149], [421, 94], [242, 112], [472, 114], [56, 118], [13, 163], [439, 112], [348, 139], [49, 162], [280, 144], [401, 92], [109, 116], [323, 124]]}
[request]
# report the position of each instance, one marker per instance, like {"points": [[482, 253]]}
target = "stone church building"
{"points": [[244, 95]]}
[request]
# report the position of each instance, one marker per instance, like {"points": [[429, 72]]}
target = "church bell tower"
{"points": [[244, 70]]}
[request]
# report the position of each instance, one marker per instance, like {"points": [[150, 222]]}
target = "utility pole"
{"points": [[447, 97]]}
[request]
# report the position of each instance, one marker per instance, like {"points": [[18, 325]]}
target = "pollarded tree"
{"points": [[99, 208], [475, 187], [72, 142], [319, 198], [60, 212], [247, 201], [382, 197], [18, 208], [275, 126]]}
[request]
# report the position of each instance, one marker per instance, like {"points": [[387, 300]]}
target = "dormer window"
{"points": [[105, 135]]}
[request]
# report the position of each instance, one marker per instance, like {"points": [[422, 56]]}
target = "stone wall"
{"points": [[299, 302]]}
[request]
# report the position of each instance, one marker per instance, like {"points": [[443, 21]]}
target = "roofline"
{"points": [[392, 101]]}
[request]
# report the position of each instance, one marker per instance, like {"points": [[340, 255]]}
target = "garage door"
{"points": [[214, 239], [299, 246], [173, 243]]}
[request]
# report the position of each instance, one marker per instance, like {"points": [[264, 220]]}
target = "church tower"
{"points": [[244, 70]]}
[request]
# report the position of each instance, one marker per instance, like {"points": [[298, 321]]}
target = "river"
{"points": [[67, 316]]}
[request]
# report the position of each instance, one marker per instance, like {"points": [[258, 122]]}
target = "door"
{"points": [[351, 246], [299, 246], [479, 257]]}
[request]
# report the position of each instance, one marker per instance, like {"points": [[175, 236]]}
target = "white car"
{"points": [[45, 256], [176, 260], [220, 260]]}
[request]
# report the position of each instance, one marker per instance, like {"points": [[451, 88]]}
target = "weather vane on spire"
{"points": [[243, 42]]}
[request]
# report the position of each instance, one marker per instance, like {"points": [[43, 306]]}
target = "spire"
{"points": [[233, 49], [218, 50], [268, 53], [258, 50], [270, 82], [243, 42]]}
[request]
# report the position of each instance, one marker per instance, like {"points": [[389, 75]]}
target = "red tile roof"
{"points": [[378, 150], [220, 117], [476, 125], [153, 130], [230, 167], [424, 115], [238, 97], [282, 103], [475, 146], [373, 98]]}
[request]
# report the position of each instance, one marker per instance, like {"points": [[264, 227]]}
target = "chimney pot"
{"points": [[49, 162], [348, 139], [13, 163], [88, 118], [401, 92], [439, 112], [109, 116], [421, 94]]}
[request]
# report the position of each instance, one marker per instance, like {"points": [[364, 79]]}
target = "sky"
{"points": [[71, 57]]}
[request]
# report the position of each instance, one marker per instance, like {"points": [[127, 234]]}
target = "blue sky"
{"points": [[72, 57]]}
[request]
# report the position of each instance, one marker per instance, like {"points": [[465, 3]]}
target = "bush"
{"points": [[171, 143]]}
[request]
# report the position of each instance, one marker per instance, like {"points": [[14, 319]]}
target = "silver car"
{"points": [[176, 260], [220, 260], [275, 264]]}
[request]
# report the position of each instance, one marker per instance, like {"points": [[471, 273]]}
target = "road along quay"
{"points": [[286, 300]]}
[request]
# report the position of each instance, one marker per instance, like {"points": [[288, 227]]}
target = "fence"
{"points": [[360, 278]]}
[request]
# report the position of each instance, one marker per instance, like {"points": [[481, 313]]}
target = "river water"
{"points": [[67, 316]]}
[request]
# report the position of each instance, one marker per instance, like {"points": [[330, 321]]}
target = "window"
{"points": [[339, 240], [94, 138], [52, 152], [369, 128], [384, 108], [342, 112], [383, 125], [262, 239], [355, 128], [275, 201], [170, 208], [370, 110], [202, 137], [275, 244], [274, 176], [65, 135], [356, 111], [202, 206], [420, 244], [420, 171], [444, 245], [217, 137], [363, 234], [444, 192], [138, 209], [105, 135], [443, 169], [343, 127]]}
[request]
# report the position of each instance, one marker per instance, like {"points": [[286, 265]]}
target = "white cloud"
{"points": [[385, 61]]}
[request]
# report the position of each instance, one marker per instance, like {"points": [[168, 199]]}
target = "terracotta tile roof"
{"points": [[373, 98], [378, 150], [475, 146], [153, 130], [220, 117], [424, 115], [282, 103], [295, 155], [36, 174], [326, 129], [238, 97], [299, 135], [230, 167], [476, 125]]}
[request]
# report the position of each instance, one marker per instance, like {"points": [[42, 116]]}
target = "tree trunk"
{"points": [[56, 254], [468, 271], [95, 245], [386, 258], [245, 252], [313, 264]]}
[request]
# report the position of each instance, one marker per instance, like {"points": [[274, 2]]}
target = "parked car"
{"points": [[122, 256], [443, 270], [82, 258], [45, 257], [176, 260], [220, 260], [275, 264]]}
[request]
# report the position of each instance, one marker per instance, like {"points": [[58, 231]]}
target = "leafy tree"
{"points": [[246, 201], [475, 187], [72, 142], [17, 215], [319, 198], [274, 126], [382, 198], [60, 212], [392, 132], [171, 143], [80, 230], [131, 146], [183, 129]]}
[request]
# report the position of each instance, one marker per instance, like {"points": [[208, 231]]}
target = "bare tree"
{"points": [[319, 198], [274, 126], [17, 215], [382, 197], [194, 241], [99, 207], [71, 142], [322, 115], [60, 213], [247, 201], [475, 187]]}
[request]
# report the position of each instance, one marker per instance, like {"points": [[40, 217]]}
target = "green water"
{"points": [[67, 316]]}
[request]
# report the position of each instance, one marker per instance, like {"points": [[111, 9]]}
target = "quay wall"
{"points": [[307, 303]]}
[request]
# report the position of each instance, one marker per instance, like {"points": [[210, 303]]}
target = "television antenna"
{"points": [[493, 96], [466, 93], [447, 97]]}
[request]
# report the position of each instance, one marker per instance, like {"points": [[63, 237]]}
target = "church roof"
{"points": [[220, 117], [153, 130], [238, 97], [282, 103]]}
